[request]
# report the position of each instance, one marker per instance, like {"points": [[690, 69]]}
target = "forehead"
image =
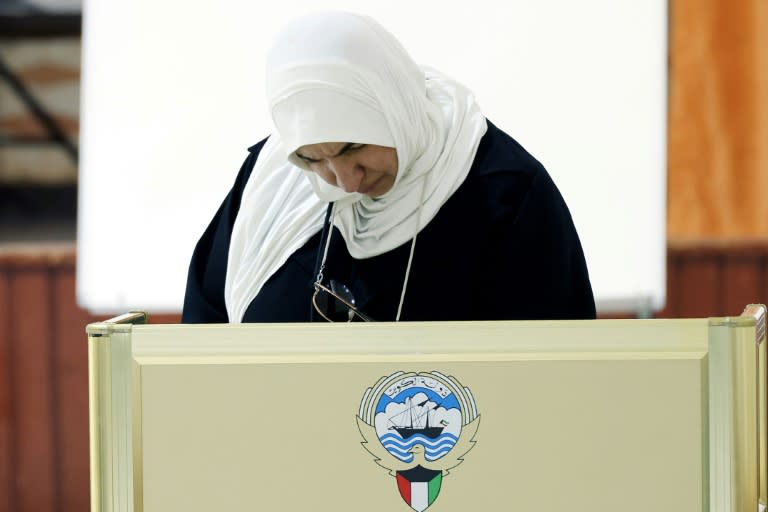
{"points": [[322, 149]]}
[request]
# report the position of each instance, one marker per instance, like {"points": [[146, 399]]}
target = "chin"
{"points": [[380, 189]]}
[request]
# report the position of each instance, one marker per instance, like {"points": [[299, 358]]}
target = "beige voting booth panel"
{"points": [[578, 416]]}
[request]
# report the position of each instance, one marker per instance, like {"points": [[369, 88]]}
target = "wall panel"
{"points": [[70, 357], [34, 375], [699, 278], [44, 464], [742, 277], [715, 278], [7, 393]]}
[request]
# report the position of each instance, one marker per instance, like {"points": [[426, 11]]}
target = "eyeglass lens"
{"points": [[334, 308]]}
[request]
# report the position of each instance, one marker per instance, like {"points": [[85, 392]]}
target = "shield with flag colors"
{"points": [[419, 487]]}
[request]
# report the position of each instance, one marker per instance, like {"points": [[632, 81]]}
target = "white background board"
{"points": [[173, 95]]}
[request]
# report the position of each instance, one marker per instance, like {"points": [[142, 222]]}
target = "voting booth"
{"points": [[595, 415]]}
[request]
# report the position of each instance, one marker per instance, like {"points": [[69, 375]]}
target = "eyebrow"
{"points": [[343, 150]]}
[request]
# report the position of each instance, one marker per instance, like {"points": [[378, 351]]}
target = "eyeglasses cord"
{"points": [[413, 249]]}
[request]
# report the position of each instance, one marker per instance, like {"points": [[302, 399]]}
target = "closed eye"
{"points": [[349, 148], [307, 159]]}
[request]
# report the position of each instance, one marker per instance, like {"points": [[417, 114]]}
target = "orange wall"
{"points": [[718, 120]]}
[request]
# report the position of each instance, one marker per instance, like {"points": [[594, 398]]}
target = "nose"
{"points": [[349, 175]]}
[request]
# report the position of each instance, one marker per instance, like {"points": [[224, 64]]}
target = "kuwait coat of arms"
{"points": [[418, 426]]}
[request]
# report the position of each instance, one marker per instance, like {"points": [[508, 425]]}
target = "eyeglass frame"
{"points": [[319, 287]]}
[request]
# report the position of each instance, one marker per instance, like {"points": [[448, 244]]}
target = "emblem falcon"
{"points": [[418, 426]]}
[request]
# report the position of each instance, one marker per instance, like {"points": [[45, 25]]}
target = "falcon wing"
{"points": [[380, 454]]}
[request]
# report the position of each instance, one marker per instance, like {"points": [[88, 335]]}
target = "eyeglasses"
{"points": [[337, 304]]}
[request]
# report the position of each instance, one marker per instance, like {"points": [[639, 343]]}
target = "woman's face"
{"points": [[364, 168]]}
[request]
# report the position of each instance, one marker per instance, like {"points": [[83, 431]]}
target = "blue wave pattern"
{"points": [[433, 448]]}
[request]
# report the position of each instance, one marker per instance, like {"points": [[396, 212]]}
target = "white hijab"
{"points": [[341, 77]]}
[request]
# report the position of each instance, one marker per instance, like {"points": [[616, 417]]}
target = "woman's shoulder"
{"points": [[499, 153], [505, 177], [502, 175]]}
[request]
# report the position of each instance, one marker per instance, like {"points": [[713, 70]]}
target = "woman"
{"points": [[383, 194]]}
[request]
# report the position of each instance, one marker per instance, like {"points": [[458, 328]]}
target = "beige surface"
{"points": [[613, 423], [554, 435]]}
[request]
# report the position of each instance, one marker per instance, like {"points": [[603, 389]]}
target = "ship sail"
{"points": [[415, 420]]}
